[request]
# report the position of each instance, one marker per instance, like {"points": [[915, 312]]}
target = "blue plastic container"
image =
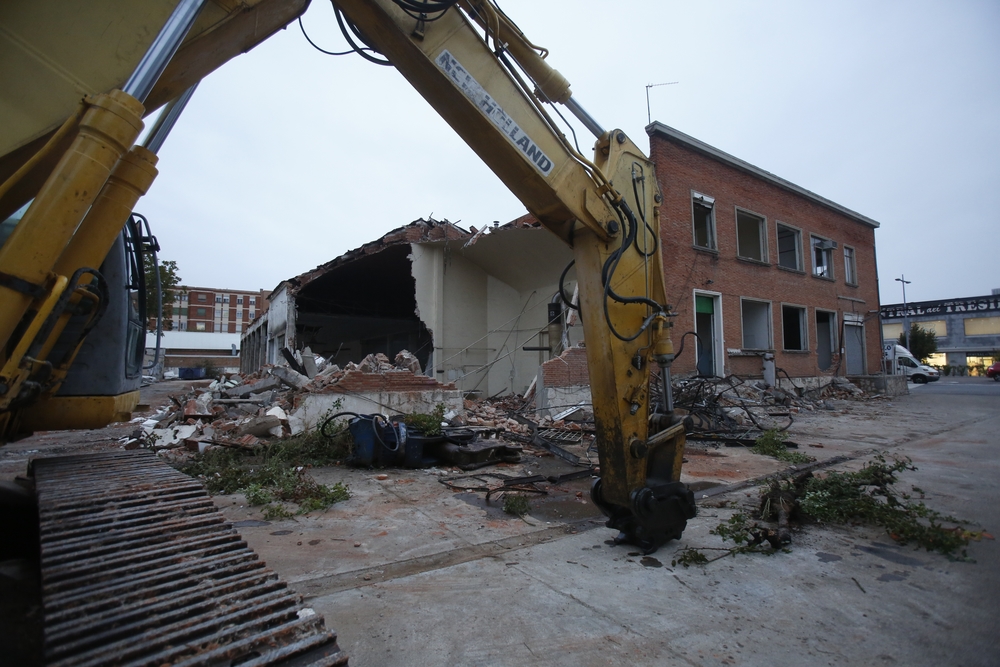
{"points": [[377, 443]]}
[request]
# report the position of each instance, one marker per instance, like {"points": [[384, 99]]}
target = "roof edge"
{"points": [[658, 128]]}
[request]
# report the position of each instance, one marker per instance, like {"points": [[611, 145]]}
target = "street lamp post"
{"points": [[906, 311]]}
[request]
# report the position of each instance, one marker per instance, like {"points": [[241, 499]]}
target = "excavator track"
{"points": [[140, 568]]}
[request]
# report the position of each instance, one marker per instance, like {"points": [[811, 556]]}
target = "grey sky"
{"points": [[286, 158]]}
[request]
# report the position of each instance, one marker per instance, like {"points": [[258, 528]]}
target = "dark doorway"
{"points": [[825, 339], [704, 327]]}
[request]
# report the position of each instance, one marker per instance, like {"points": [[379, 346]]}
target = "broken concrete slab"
{"points": [[309, 363], [292, 378], [260, 426], [245, 390]]}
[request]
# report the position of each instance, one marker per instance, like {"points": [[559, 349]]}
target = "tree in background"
{"points": [[169, 281], [923, 343]]}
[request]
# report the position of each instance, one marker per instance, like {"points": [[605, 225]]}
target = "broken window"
{"points": [[850, 266], [750, 236], [704, 221], [822, 252], [789, 247], [793, 328], [756, 317]]}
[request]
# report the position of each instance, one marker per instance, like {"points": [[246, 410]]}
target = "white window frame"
{"points": [[762, 229], [743, 325], [798, 246], [803, 327], [699, 199], [851, 266], [828, 273]]}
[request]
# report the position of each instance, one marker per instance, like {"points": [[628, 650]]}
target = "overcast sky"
{"points": [[286, 158]]}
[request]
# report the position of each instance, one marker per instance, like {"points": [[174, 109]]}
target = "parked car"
{"points": [[994, 371]]}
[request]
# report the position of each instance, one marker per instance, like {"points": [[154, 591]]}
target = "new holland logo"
{"points": [[478, 95]]}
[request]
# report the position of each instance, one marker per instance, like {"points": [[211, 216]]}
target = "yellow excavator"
{"points": [[77, 81]]}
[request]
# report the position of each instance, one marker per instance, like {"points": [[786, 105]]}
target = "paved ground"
{"points": [[410, 573]]}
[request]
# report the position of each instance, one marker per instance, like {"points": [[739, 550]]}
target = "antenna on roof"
{"points": [[649, 115]]}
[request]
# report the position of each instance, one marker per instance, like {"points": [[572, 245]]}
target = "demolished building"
{"points": [[479, 308]]}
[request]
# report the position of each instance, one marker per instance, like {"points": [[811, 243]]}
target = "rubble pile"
{"points": [[241, 411], [494, 413]]}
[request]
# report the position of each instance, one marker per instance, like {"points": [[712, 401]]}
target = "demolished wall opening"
{"points": [[363, 307]]}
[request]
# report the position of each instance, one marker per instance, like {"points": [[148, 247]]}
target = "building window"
{"points": [[225, 299], [239, 300], [789, 247], [200, 312], [252, 314], [253, 300], [850, 266], [703, 214], [822, 252], [199, 326], [218, 299], [751, 237], [202, 297], [793, 328], [756, 324], [982, 326]]}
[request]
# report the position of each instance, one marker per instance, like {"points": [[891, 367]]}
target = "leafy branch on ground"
{"points": [[772, 443], [516, 504], [427, 424], [274, 473], [867, 496]]}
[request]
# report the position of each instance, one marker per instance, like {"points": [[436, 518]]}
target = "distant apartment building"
{"points": [[214, 310]]}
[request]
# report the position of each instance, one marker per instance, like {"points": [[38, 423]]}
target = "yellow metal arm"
{"points": [[613, 229]]}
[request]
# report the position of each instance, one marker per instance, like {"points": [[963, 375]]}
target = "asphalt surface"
{"points": [[961, 386]]}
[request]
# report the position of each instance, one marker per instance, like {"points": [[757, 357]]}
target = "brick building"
{"points": [[215, 310], [755, 264]]}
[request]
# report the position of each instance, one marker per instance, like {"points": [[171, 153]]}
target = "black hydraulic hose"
{"points": [[342, 22], [329, 420], [562, 289]]}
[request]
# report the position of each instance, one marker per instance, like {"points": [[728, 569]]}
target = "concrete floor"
{"points": [[411, 574]]}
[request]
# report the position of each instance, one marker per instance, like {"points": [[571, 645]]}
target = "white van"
{"points": [[908, 365]]}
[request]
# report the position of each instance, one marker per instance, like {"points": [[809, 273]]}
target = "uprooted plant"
{"points": [[274, 473], [867, 496]]}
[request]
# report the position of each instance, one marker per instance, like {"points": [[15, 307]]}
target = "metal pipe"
{"points": [[163, 48], [584, 117], [158, 134], [668, 390]]}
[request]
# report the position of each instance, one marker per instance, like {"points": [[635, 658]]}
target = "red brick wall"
{"points": [[567, 370], [680, 169]]}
